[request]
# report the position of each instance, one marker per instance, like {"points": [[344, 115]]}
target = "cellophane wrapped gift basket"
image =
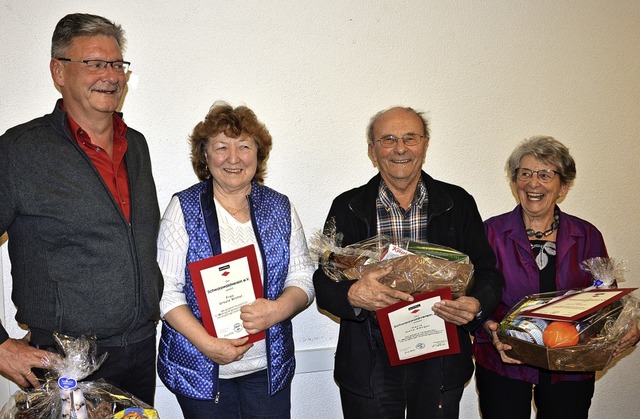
{"points": [[417, 266], [583, 344], [63, 395]]}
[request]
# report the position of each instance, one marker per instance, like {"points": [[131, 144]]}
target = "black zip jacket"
{"points": [[454, 221]]}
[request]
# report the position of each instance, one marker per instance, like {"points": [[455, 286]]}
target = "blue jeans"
{"points": [[243, 397]]}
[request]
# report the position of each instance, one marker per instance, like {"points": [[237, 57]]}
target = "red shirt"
{"points": [[113, 171]]}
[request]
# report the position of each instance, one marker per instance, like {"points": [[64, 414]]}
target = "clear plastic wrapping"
{"points": [[588, 342], [605, 271], [63, 395], [417, 266]]}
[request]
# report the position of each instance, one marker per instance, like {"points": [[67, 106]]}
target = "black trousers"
{"points": [[413, 389], [507, 398]]}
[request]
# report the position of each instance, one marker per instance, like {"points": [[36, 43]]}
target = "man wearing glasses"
{"points": [[80, 207], [404, 202]]}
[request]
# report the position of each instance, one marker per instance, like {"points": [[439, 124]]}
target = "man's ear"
{"points": [[57, 72], [372, 155], [426, 147]]}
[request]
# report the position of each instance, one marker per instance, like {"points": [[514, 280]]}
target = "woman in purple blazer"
{"points": [[538, 249]]}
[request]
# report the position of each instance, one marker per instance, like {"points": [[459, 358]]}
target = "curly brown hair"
{"points": [[233, 122]]}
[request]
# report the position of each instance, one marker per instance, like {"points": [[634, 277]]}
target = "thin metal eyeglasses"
{"points": [[544, 175], [390, 141], [98, 66]]}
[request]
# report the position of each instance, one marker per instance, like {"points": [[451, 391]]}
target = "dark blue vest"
{"points": [[182, 367]]}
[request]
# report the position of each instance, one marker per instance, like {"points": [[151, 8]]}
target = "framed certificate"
{"points": [[574, 306], [224, 283], [411, 331]]}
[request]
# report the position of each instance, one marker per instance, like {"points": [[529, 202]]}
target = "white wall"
{"points": [[488, 74]]}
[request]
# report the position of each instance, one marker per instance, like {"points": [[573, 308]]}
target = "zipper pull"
{"points": [[217, 398]]}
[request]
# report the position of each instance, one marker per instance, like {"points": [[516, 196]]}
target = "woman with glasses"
{"points": [[538, 249], [231, 209]]}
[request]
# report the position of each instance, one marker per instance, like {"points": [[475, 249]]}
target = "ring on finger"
{"points": [[28, 373], [45, 361]]}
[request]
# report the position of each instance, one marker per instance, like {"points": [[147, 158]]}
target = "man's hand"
{"points": [[368, 293], [459, 312], [17, 359]]}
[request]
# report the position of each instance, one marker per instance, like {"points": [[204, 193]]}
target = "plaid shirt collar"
{"points": [[391, 203], [396, 222]]}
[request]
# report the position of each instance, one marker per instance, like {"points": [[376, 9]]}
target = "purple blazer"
{"points": [[577, 240]]}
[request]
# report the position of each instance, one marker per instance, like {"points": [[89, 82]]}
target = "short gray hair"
{"points": [[81, 24], [548, 150], [374, 119]]}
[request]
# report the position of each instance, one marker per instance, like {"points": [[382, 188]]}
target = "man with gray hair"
{"points": [[404, 203], [80, 208]]}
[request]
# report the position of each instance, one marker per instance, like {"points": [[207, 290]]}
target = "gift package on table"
{"points": [[64, 396]]}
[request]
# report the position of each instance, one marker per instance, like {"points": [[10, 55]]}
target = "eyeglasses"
{"points": [[98, 66], [544, 175], [390, 141]]}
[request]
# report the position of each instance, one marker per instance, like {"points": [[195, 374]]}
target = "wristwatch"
{"points": [[479, 314]]}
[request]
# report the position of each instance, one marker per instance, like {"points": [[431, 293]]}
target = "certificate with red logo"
{"points": [[575, 305], [411, 331], [224, 283]]}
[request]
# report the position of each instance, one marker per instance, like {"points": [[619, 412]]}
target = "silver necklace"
{"points": [[233, 214]]}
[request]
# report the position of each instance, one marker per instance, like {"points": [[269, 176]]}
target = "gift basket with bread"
{"points": [[417, 266]]}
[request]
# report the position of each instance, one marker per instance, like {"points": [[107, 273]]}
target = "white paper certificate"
{"points": [[412, 332], [223, 284], [417, 330], [576, 305], [228, 287]]}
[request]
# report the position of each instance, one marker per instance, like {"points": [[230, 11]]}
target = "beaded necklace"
{"points": [[541, 234]]}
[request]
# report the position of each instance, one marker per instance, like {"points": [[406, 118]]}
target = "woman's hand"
{"points": [[220, 351], [262, 313], [226, 351], [629, 340], [491, 327]]}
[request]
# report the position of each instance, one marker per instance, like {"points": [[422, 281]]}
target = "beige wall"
{"points": [[488, 74]]}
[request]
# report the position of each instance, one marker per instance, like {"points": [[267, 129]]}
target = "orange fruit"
{"points": [[560, 334]]}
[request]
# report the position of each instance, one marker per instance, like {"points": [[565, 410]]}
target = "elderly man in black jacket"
{"points": [[402, 201]]}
